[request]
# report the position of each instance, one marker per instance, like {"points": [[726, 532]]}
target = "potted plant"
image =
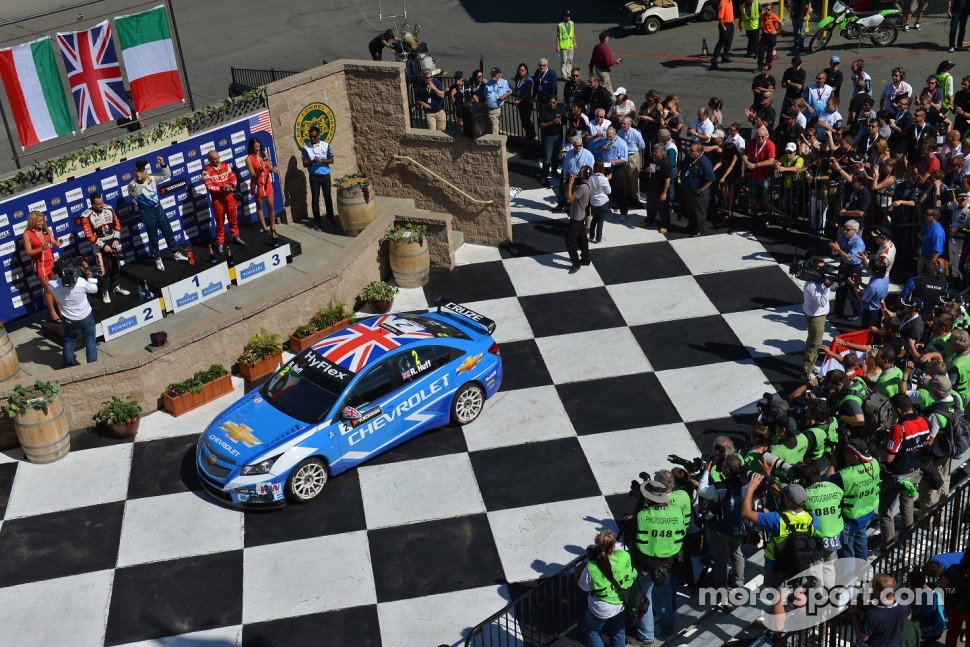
{"points": [[322, 323], [379, 294], [261, 355], [355, 205], [39, 421], [120, 415], [410, 260], [204, 386]]}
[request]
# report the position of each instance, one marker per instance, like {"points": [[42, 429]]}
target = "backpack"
{"points": [[958, 428], [799, 552], [876, 408], [727, 519]]}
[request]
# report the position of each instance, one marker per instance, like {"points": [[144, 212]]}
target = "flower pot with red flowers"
{"points": [[120, 416]]}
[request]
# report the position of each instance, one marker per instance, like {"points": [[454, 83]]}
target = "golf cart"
{"points": [[650, 16]]}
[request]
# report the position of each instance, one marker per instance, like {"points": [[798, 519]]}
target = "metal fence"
{"points": [[244, 79]]}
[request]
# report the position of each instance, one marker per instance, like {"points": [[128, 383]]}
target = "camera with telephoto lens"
{"points": [[812, 269], [781, 472], [72, 268]]}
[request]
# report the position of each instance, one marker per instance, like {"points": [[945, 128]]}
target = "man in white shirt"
{"points": [[886, 250], [830, 119], [816, 308], [701, 128], [71, 286], [959, 224]]}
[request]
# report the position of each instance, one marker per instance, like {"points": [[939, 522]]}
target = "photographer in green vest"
{"points": [[858, 477], [825, 502], [958, 366], [822, 432], [608, 568], [944, 399], [660, 534]]}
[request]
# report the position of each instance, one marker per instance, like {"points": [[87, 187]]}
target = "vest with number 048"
{"points": [[660, 531]]}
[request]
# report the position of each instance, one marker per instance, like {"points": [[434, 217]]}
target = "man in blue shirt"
{"points": [[696, 177], [431, 97], [932, 237], [629, 179], [847, 248], [572, 161], [545, 83], [874, 294], [497, 90]]}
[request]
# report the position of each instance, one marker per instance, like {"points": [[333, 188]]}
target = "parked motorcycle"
{"points": [[880, 27]]}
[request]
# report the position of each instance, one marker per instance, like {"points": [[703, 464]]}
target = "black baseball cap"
{"points": [[886, 232]]}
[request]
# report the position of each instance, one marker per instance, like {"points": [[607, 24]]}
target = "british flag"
{"points": [[94, 75], [354, 347]]}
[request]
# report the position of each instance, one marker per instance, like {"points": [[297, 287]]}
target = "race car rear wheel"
{"points": [[468, 404], [306, 481]]}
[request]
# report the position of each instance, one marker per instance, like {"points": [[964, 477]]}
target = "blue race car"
{"points": [[351, 396]]}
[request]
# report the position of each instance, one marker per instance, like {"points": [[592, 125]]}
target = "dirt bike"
{"points": [[879, 27]]}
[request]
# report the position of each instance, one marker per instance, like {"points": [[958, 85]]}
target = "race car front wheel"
{"points": [[306, 481], [468, 404]]}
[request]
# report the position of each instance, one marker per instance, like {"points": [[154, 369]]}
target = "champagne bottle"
{"points": [[212, 255], [147, 291], [141, 293], [229, 259]]}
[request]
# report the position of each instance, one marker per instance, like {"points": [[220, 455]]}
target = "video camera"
{"points": [[697, 465], [809, 270], [72, 268]]}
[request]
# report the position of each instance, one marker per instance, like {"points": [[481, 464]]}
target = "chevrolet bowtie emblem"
{"points": [[469, 363], [241, 432], [212, 459]]}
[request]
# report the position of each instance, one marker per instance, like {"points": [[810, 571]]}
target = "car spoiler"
{"points": [[455, 310]]}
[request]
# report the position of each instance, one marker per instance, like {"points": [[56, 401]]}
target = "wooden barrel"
{"points": [[411, 263], [355, 208], [44, 437], [9, 362]]}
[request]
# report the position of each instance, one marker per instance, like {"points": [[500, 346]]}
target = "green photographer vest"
{"points": [[680, 499], [957, 403], [961, 364], [799, 522], [820, 434], [832, 437], [623, 573], [825, 502], [794, 454], [857, 391], [861, 486], [889, 381], [660, 531]]}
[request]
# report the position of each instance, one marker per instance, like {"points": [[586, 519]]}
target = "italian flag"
{"points": [[34, 91], [146, 48]]}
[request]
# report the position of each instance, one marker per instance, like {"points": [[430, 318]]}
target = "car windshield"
{"points": [[301, 391], [436, 328]]}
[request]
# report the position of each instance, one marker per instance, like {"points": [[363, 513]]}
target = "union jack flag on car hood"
{"points": [[94, 75], [355, 347]]}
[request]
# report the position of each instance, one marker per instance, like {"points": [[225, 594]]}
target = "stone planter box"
{"points": [[298, 344], [180, 404], [260, 369]]}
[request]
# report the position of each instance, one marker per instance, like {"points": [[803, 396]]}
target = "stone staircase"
{"points": [[440, 227]]}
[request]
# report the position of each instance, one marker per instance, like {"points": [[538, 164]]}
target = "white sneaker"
{"points": [[179, 256], [916, 26], [159, 264], [106, 298], [120, 290]]}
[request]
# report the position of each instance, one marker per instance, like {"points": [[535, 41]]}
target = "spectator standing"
{"points": [[40, 243], [944, 74], [847, 247], [749, 16], [573, 160], [759, 159], [622, 107], [615, 155], [859, 479], [317, 160], [71, 292], [725, 33], [378, 43], [932, 236], [793, 80], [927, 609], [768, 24], [551, 120], [611, 568], [762, 83], [497, 90], [601, 61], [630, 177], [574, 91], [599, 201], [817, 96], [959, 227], [790, 167], [545, 83], [696, 177], [657, 173], [881, 624], [895, 90], [701, 128], [144, 191], [834, 76], [859, 74], [431, 96], [800, 11], [957, 11], [957, 605], [577, 195], [597, 97], [220, 182], [523, 93], [566, 42], [904, 448], [102, 228]]}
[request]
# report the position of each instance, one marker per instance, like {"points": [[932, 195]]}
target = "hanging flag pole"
{"points": [[178, 48], [13, 146]]}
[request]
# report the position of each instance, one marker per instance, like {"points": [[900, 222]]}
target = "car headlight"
{"points": [[261, 467]]}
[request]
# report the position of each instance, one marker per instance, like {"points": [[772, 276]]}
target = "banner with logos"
{"points": [[183, 197]]}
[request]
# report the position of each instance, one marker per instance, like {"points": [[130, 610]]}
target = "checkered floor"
{"points": [[660, 345]]}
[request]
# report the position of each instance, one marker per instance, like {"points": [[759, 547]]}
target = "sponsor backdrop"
{"points": [[183, 197]]}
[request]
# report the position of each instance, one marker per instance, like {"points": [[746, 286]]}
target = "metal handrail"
{"points": [[438, 177]]}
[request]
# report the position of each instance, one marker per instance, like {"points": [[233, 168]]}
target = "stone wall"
{"points": [[372, 97]]}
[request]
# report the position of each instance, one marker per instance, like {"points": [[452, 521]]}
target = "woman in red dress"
{"points": [[39, 242], [261, 184]]}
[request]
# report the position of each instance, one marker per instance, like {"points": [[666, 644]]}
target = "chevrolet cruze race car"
{"points": [[351, 396]]}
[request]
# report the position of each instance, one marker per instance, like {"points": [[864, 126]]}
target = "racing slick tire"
{"points": [[467, 404], [306, 481]]}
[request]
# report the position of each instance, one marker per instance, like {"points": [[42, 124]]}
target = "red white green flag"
{"points": [[34, 91], [149, 56]]}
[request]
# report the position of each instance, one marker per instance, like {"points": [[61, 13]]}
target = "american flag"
{"points": [[353, 347], [94, 75], [260, 123]]}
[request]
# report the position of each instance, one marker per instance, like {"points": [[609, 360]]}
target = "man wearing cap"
{"points": [[778, 526], [904, 447], [725, 33], [566, 43], [497, 90], [860, 199], [959, 226], [657, 184], [932, 237], [788, 130], [793, 80], [834, 76], [660, 535], [144, 191], [859, 480], [886, 250], [601, 61], [847, 248], [790, 166], [945, 400]]}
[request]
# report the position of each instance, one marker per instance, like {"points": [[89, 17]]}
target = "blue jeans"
{"points": [[71, 329], [614, 628], [798, 28], [661, 604], [596, 222], [155, 221], [854, 544], [550, 159]]}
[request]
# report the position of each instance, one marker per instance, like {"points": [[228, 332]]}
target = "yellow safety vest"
{"points": [[750, 20], [566, 34]]}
